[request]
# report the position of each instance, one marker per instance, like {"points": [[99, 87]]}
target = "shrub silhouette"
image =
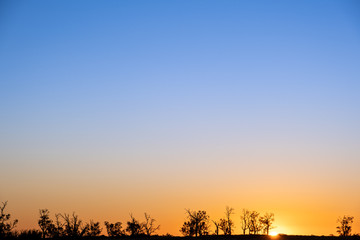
{"points": [[45, 223], [29, 234], [6, 225], [114, 229], [48, 227], [344, 229], [93, 229], [134, 227], [197, 224]]}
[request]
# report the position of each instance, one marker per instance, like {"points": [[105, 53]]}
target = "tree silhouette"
{"points": [[223, 226], [197, 224], [45, 223], [226, 225], [254, 223], [188, 228], [114, 229], [149, 225], [93, 229], [73, 226], [6, 225], [57, 229], [134, 228], [344, 229], [245, 221], [217, 227], [266, 222]]}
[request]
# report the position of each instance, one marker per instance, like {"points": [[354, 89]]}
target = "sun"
{"points": [[273, 234]]}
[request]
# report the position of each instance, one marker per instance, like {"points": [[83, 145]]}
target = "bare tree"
{"points": [[230, 224], [197, 224], [149, 225], [114, 229], [73, 226], [344, 228], [134, 227], [245, 221], [6, 225], [254, 223], [217, 226], [66, 225], [57, 229], [226, 224], [267, 222]]}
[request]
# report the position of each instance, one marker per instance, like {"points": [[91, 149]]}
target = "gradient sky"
{"points": [[112, 107]]}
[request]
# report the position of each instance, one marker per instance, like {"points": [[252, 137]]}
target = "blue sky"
{"points": [[164, 86]]}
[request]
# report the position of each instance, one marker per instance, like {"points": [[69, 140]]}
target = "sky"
{"points": [[115, 107]]}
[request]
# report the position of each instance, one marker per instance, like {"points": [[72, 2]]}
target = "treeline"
{"points": [[197, 223], [66, 225], [71, 226]]}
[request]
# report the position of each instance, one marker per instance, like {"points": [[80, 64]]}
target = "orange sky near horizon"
{"points": [[303, 206], [308, 220]]}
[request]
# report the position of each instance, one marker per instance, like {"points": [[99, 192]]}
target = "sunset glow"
{"points": [[112, 109]]}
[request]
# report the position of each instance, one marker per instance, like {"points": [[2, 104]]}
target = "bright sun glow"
{"points": [[273, 234]]}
